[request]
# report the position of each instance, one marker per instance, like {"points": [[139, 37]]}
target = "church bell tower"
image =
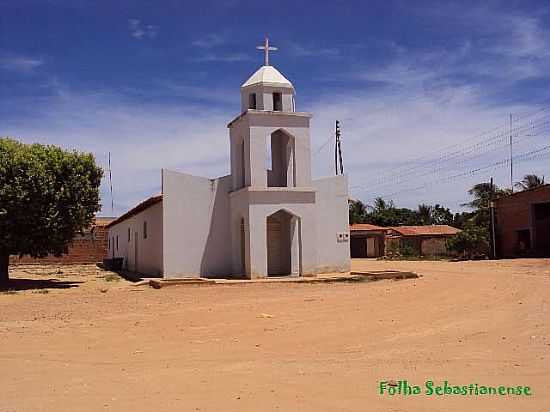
{"points": [[271, 177]]}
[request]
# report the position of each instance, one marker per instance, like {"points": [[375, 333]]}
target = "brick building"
{"points": [[428, 240], [367, 240], [523, 223], [89, 247], [374, 241]]}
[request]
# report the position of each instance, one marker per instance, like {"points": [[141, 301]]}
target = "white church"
{"points": [[256, 222]]}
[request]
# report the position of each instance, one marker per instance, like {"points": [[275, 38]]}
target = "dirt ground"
{"points": [[105, 344]]}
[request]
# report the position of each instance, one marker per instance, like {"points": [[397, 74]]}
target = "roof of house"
{"points": [[524, 192], [269, 75], [365, 227], [103, 220], [428, 230], [147, 203]]}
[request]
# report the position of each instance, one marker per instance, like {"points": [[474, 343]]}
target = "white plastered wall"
{"points": [[332, 214], [149, 250], [197, 237]]}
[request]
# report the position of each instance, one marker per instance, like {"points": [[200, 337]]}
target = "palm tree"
{"points": [[482, 195], [425, 214], [530, 182]]}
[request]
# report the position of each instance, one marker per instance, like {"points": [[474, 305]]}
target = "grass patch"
{"points": [[417, 258], [111, 277]]}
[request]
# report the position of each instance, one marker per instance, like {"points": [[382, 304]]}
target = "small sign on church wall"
{"points": [[342, 237]]}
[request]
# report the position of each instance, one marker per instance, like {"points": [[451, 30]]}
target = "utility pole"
{"points": [[338, 163], [336, 138], [111, 185], [511, 157], [492, 212]]}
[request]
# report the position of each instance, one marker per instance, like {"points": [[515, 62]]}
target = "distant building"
{"points": [[523, 223], [88, 247], [429, 240], [367, 240]]}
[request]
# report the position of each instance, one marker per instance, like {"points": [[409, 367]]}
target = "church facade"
{"points": [[267, 218]]}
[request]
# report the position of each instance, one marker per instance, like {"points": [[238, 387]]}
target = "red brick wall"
{"points": [[513, 213], [90, 248]]}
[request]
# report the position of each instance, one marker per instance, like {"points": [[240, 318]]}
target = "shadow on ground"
{"points": [[29, 284], [128, 275]]}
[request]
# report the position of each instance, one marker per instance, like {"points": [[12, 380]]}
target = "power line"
{"points": [[523, 157], [458, 146], [467, 153], [318, 150], [459, 158]]}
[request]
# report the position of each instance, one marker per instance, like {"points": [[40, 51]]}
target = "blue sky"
{"points": [[156, 83]]}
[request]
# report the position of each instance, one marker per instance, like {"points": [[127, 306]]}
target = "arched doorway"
{"points": [[283, 244]]}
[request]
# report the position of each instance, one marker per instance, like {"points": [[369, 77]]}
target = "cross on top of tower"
{"points": [[266, 48]]}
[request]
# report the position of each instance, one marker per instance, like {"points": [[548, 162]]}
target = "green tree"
{"points": [[473, 240], [530, 182], [425, 214], [442, 216], [46, 196], [357, 212], [380, 205], [393, 216], [460, 220], [482, 193]]}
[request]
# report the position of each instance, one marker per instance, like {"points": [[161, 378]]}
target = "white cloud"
{"points": [[381, 132], [209, 41], [221, 57], [419, 109], [139, 30], [142, 139], [299, 50], [16, 63]]}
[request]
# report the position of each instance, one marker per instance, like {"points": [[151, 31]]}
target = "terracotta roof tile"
{"points": [[365, 226], [428, 230]]}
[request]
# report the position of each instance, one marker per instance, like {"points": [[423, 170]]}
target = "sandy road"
{"points": [[287, 347]]}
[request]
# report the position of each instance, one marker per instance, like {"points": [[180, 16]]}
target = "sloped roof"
{"points": [[103, 220], [428, 230], [268, 75], [147, 203], [365, 227], [523, 192]]}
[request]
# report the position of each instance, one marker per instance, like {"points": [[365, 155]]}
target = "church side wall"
{"points": [[197, 236], [149, 250], [332, 213]]}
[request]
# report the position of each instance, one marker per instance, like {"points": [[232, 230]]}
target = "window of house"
{"points": [[109, 243], [128, 234], [145, 230], [116, 242], [277, 102], [252, 101]]}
